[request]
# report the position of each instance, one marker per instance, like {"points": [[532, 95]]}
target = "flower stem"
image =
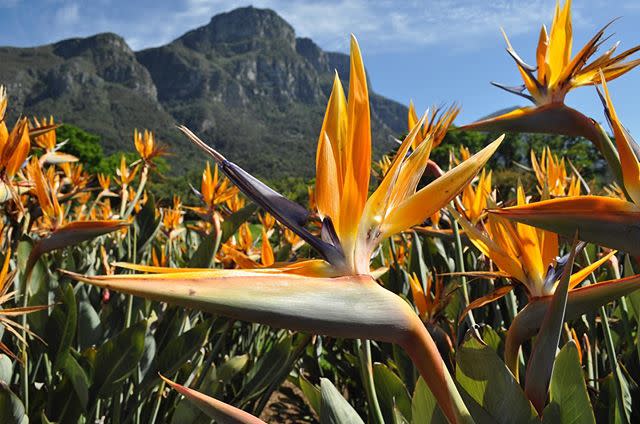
{"points": [[366, 373], [424, 353], [460, 267]]}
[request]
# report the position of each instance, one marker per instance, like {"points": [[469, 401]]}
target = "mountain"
{"points": [[244, 82]]}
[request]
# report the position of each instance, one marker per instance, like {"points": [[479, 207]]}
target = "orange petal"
{"points": [[437, 194]]}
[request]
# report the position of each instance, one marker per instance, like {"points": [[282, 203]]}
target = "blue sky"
{"points": [[431, 51]]}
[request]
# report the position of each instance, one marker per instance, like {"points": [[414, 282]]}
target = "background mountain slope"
{"points": [[244, 82]]}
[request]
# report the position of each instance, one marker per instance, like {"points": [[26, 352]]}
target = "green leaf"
{"points": [[391, 391], [312, 394], [491, 338], [546, 344], [11, 407], [6, 368], [78, 378], [487, 380], [424, 407], [177, 352], [148, 224], [569, 400], [334, 408], [149, 354], [634, 297], [268, 367], [118, 358], [231, 367], [89, 326], [404, 367], [398, 418], [169, 327], [203, 256], [61, 327], [235, 220]]}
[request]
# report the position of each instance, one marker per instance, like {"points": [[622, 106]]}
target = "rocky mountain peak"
{"points": [[96, 44], [111, 58], [243, 82], [241, 26]]}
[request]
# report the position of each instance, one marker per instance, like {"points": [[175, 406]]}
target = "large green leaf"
{"points": [[546, 344], [11, 407], [235, 220], [147, 223], [424, 407], [483, 375], [312, 394], [78, 378], [61, 327], [118, 358], [392, 392], [177, 352], [335, 409], [268, 367], [203, 256], [6, 368], [568, 398], [89, 325]]}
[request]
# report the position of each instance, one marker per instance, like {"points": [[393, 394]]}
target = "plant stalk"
{"points": [[366, 374]]}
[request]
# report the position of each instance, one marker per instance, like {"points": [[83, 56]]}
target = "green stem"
{"points": [[460, 267], [156, 405], [123, 199], [611, 352], [116, 408], [136, 198], [366, 374], [617, 372], [214, 352]]}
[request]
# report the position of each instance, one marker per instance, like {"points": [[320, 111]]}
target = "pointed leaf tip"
{"points": [[213, 408]]}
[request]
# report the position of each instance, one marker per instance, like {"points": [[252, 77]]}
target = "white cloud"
{"points": [[390, 25], [381, 25], [67, 14]]}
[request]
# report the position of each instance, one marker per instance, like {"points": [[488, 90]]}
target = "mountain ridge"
{"points": [[244, 82]]}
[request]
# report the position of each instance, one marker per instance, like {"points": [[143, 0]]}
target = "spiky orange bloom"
{"points": [[610, 222], [474, 201], [557, 71], [125, 175], [525, 254], [48, 141], [14, 147], [215, 189], [436, 125], [172, 219], [552, 176], [146, 146], [53, 213]]}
